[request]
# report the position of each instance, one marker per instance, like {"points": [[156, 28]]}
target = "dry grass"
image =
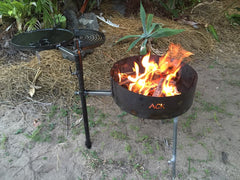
{"points": [[56, 81]]}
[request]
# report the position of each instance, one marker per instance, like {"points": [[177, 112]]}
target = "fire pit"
{"points": [[155, 87], [150, 87], [151, 102]]}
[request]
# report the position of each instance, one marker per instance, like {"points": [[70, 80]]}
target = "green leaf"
{"points": [[165, 32], [212, 30], [149, 22], [33, 3], [134, 43], [153, 26], [4, 8], [19, 131], [31, 24], [126, 37], [10, 13], [143, 48], [171, 4], [143, 17]]}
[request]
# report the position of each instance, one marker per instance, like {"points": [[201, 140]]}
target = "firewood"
{"points": [[158, 91]]}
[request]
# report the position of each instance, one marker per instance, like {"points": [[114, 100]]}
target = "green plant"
{"points": [[213, 32], [121, 116], [63, 112], [135, 128], [207, 172], [61, 139], [45, 9], [51, 126], [119, 135], [142, 138], [52, 112], [3, 141], [150, 30], [19, 131], [187, 124], [76, 109], [60, 20], [18, 10], [29, 13], [148, 149], [128, 148], [92, 158], [100, 119], [234, 18], [161, 158], [165, 172], [38, 136]]}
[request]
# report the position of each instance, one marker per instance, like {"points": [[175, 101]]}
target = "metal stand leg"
{"points": [[79, 68], [174, 151]]}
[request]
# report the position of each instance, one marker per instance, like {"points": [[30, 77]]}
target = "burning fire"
{"points": [[159, 78]]}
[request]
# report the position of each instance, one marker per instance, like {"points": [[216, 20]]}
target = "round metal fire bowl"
{"points": [[42, 39], [153, 107]]}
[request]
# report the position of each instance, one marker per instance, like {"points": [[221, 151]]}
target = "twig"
{"points": [[39, 71], [5, 102], [44, 104]]}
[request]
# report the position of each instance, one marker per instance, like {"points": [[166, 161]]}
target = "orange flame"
{"points": [[159, 78]]}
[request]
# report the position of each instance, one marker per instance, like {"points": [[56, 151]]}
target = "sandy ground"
{"points": [[125, 147], [45, 139]]}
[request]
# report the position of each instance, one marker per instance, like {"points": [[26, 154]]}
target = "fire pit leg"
{"points": [[174, 151]]}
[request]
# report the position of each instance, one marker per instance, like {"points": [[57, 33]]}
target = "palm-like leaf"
{"points": [[134, 43], [149, 22], [165, 32], [143, 48], [143, 18], [128, 36], [150, 30]]}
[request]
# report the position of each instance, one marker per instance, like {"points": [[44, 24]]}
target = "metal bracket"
{"points": [[95, 92]]}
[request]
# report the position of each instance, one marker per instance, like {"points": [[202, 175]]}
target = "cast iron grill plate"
{"points": [[42, 39]]}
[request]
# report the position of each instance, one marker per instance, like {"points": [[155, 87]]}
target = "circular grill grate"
{"points": [[89, 38]]}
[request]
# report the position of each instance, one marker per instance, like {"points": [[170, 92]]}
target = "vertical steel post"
{"points": [[174, 150], [79, 70]]}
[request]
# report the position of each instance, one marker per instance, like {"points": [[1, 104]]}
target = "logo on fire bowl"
{"points": [[157, 106]]}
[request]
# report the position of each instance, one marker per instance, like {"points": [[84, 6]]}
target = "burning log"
{"points": [[158, 91], [125, 82]]}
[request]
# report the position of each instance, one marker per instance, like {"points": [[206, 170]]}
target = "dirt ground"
{"points": [[43, 137]]}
